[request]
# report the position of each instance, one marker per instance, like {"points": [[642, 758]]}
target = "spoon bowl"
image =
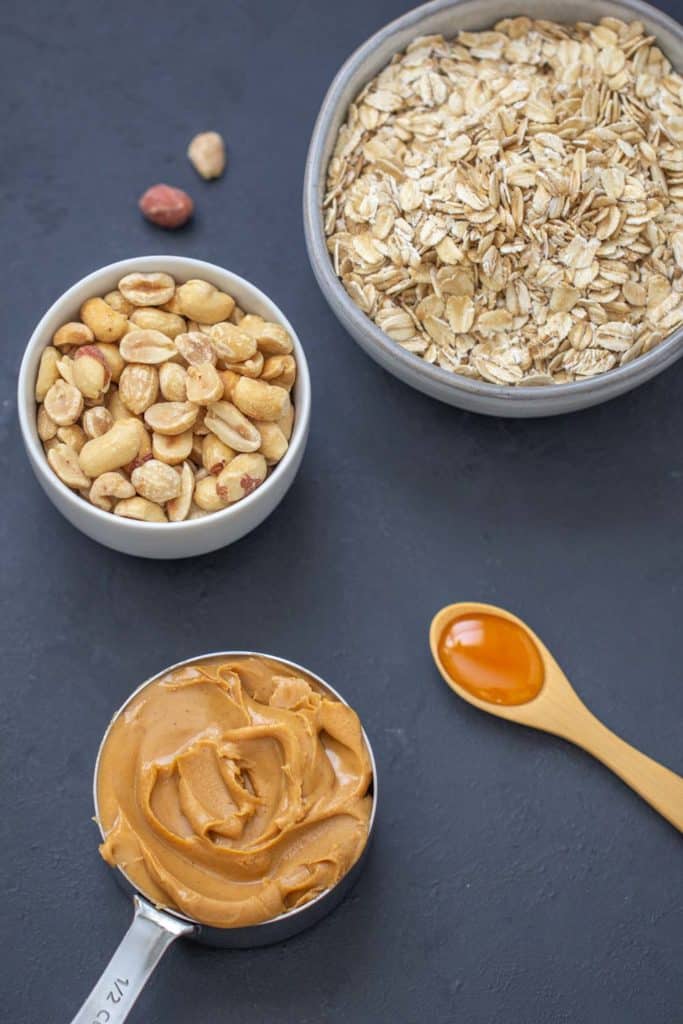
{"points": [[557, 709]]}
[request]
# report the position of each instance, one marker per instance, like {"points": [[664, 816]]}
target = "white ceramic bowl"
{"points": [[448, 17], [162, 540]]}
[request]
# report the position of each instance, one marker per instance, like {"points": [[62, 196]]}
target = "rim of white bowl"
{"points": [[656, 360], [27, 419]]}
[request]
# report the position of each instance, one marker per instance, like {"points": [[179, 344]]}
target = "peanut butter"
{"points": [[234, 791]]}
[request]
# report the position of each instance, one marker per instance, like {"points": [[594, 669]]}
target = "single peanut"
{"points": [[178, 508], [48, 372], [91, 373], [141, 509], [156, 481], [241, 477], [165, 206], [260, 400], [173, 382], [232, 428], [47, 428], [65, 463], [74, 436], [274, 444], [105, 323], [272, 339], [139, 387], [63, 403], [97, 421], [147, 347], [116, 300], [115, 407], [286, 422], [66, 369], [251, 367], [280, 370], [215, 455], [232, 344], [73, 334], [172, 449], [206, 495], [201, 301], [195, 348], [171, 417], [206, 153], [113, 359], [204, 384], [111, 450], [147, 289], [229, 378], [150, 318], [107, 486]]}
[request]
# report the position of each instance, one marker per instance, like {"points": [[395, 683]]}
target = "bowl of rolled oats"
{"points": [[493, 205], [164, 403]]}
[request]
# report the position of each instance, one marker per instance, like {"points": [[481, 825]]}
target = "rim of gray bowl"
{"points": [[27, 422], [477, 396]]}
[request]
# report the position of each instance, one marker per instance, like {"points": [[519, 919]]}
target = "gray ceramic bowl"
{"points": [[448, 17]]}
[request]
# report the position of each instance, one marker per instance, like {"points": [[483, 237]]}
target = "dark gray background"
{"points": [[513, 880]]}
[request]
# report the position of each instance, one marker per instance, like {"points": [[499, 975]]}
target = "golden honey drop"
{"points": [[492, 658]]}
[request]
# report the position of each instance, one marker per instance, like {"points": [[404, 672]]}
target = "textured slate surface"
{"points": [[513, 879]]}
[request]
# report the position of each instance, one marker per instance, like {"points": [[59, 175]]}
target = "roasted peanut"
{"points": [[195, 348], [116, 300], [147, 289], [91, 373], [272, 339], [261, 400], [147, 347], [237, 316], [156, 481], [117, 410], [63, 403], [171, 417], [172, 449], [110, 485], [204, 384], [204, 303], [229, 378], [47, 428], [66, 369], [166, 206], [73, 334], [207, 496], [251, 367], [105, 323], [280, 370], [206, 153], [241, 476], [196, 512], [215, 455], [140, 508], [274, 444], [74, 436], [232, 344], [232, 428], [145, 442], [48, 372], [286, 422], [64, 461], [149, 318], [139, 387], [112, 450], [173, 382], [113, 359], [178, 508], [97, 421]]}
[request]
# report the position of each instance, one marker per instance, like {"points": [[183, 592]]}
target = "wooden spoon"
{"points": [[555, 708]]}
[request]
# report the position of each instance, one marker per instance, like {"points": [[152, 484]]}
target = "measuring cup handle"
{"points": [[140, 950]]}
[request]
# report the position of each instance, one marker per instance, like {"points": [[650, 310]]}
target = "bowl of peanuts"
{"points": [[164, 404], [493, 201]]}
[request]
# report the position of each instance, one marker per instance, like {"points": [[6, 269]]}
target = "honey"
{"points": [[491, 657]]}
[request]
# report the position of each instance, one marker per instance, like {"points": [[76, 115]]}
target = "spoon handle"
{"points": [[659, 786], [140, 950]]}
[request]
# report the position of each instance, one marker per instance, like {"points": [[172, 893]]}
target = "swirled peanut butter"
{"points": [[234, 791]]}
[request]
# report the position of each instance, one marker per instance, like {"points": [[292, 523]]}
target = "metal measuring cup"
{"points": [[152, 930]]}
